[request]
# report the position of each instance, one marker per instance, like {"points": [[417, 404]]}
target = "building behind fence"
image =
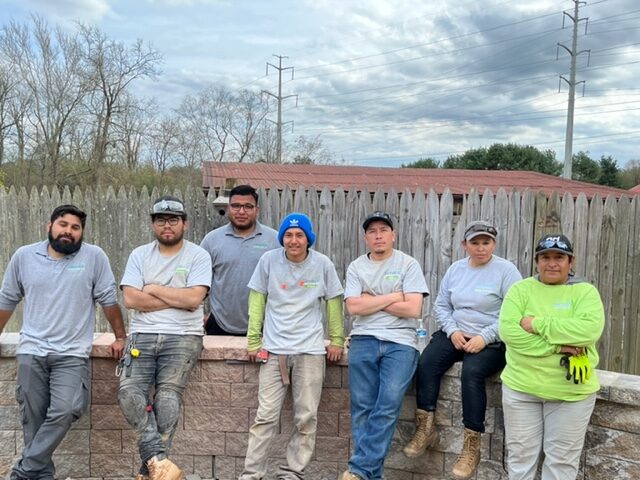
{"points": [[429, 226]]}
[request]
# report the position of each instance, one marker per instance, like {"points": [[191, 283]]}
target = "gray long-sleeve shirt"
{"points": [[59, 297], [470, 298]]}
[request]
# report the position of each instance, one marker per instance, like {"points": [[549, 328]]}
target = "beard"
{"points": [[170, 242], [243, 228], [65, 248]]}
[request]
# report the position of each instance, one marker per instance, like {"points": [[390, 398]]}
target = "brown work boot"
{"points": [[163, 469], [347, 475], [426, 435], [469, 458]]}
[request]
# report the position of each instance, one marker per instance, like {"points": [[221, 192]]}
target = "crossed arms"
{"points": [[154, 297], [403, 305]]}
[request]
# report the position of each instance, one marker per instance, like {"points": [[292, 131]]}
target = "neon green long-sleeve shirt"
{"points": [[570, 314]]}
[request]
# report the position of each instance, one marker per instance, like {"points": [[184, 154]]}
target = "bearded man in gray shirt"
{"points": [[60, 279]]}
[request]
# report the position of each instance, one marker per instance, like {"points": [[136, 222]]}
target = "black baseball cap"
{"points": [[555, 242], [377, 216]]}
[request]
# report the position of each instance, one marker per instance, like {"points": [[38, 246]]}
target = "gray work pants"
{"points": [[52, 393]]}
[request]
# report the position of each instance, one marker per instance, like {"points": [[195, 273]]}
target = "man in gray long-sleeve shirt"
{"points": [[60, 279]]}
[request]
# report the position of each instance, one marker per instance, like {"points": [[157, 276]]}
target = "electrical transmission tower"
{"points": [[279, 98], [573, 52]]}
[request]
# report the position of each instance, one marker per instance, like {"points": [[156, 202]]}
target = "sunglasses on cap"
{"points": [[168, 206], [551, 243], [480, 228]]}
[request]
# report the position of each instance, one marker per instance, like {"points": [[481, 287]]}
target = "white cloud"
{"points": [[65, 10]]}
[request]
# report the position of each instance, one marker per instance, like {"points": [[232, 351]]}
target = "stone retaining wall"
{"points": [[220, 404]]}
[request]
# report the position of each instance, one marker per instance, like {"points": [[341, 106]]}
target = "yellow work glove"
{"points": [[578, 367]]}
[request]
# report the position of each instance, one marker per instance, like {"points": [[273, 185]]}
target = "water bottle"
{"points": [[421, 335]]}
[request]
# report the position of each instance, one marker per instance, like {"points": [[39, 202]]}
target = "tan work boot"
{"points": [[426, 435], [469, 458], [163, 469], [347, 475], [141, 477]]}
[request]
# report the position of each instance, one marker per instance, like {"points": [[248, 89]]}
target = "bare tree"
{"points": [[308, 150], [131, 127], [48, 64], [206, 118], [110, 68], [218, 125], [248, 113], [264, 147], [6, 121], [164, 144]]}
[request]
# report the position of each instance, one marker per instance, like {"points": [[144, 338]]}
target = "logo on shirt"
{"points": [[305, 284], [260, 246], [562, 306], [76, 267], [484, 288], [182, 270], [392, 275]]}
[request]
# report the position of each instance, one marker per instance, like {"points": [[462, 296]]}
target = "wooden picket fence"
{"points": [[429, 226]]}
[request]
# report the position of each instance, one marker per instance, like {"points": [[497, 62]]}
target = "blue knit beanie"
{"points": [[297, 220]]}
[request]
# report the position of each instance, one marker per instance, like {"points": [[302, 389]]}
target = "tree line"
{"points": [[498, 156], [69, 115]]}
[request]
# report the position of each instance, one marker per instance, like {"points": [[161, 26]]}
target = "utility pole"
{"points": [[279, 98], [573, 52]]}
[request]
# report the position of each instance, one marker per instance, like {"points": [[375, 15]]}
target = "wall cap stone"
{"points": [[615, 387]]}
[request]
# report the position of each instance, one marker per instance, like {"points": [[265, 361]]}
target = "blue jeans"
{"points": [[52, 393], [438, 357], [164, 365], [379, 374]]}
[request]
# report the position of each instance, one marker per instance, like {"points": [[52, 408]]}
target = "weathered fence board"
{"points": [[605, 235]]}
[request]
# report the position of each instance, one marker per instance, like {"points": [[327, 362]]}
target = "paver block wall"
{"points": [[220, 404]]}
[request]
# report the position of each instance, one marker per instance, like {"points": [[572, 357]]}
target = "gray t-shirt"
{"points": [[470, 298], [189, 268], [294, 314], [233, 260], [398, 273], [59, 297]]}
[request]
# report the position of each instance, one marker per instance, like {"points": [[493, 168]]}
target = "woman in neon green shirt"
{"points": [[550, 324]]}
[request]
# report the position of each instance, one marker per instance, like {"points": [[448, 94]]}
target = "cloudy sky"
{"points": [[387, 82]]}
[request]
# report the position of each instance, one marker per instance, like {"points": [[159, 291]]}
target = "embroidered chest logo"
{"points": [[392, 275], [77, 267]]}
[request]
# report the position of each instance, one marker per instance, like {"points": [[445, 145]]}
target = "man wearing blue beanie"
{"points": [[297, 220], [288, 290]]}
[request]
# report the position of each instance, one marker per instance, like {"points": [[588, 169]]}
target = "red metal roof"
{"points": [[635, 190], [267, 175]]}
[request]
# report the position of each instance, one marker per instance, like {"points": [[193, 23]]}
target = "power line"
{"points": [[435, 42]]}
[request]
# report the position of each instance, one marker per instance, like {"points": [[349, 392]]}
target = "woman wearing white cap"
{"points": [[550, 323], [467, 309]]}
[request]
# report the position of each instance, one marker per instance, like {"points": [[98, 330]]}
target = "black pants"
{"points": [[212, 328], [438, 357]]}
